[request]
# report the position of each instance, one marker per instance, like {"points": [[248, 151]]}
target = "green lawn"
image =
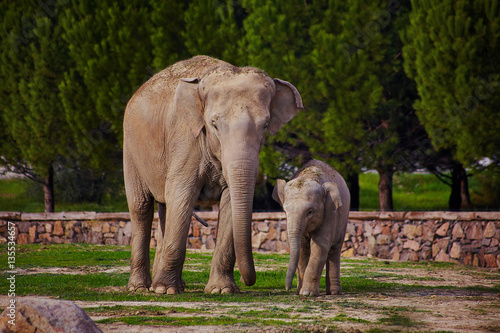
{"points": [[411, 192], [379, 295], [14, 197]]}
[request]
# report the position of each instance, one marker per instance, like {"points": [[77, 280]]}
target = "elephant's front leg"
{"points": [[222, 272], [169, 260], [317, 260]]}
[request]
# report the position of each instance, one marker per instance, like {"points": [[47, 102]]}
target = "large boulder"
{"points": [[44, 315]]}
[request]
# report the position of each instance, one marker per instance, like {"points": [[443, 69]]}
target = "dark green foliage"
{"points": [[361, 95], [110, 60], [452, 52], [276, 39], [33, 59], [68, 69], [167, 28], [213, 28]]}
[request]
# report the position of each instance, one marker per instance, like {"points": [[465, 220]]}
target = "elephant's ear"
{"points": [[333, 196], [279, 191], [285, 105], [188, 105]]}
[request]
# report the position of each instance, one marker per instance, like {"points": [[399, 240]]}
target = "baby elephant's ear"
{"points": [[279, 191], [333, 193]]}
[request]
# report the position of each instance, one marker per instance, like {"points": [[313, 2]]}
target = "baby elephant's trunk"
{"points": [[294, 238]]}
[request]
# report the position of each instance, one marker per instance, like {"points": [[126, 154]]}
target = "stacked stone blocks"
{"points": [[466, 237]]}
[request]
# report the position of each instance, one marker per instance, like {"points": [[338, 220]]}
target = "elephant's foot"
{"points": [[165, 290], [168, 289], [309, 290], [334, 291], [137, 289], [139, 282], [222, 285]]}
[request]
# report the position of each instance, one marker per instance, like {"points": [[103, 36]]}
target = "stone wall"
{"points": [[471, 238]]}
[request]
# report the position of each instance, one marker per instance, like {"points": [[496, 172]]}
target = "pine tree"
{"points": [[345, 60], [33, 59], [361, 94], [276, 40], [111, 55], [451, 51], [213, 28], [167, 29]]}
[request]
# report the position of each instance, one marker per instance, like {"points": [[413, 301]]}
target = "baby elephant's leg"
{"points": [[305, 252], [333, 271], [314, 269]]}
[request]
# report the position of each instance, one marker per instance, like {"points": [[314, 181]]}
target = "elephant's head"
{"points": [[232, 110], [305, 202]]}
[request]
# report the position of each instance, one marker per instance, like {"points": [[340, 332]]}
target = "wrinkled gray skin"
{"points": [[316, 202], [192, 133]]}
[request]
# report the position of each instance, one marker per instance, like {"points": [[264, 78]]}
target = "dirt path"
{"points": [[473, 312]]}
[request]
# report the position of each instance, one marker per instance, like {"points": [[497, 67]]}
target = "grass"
{"points": [[14, 197], [266, 304], [410, 192]]}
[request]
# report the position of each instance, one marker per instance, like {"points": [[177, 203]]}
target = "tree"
{"points": [[345, 59], [167, 29], [276, 40], [33, 59], [451, 51], [111, 55], [213, 28], [362, 97]]}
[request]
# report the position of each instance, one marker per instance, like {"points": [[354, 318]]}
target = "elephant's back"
{"points": [[322, 169], [153, 98], [326, 173], [195, 67]]}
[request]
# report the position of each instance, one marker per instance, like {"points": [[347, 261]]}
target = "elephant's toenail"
{"points": [[226, 290], [171, 291], [160, 290], [216, 291]]}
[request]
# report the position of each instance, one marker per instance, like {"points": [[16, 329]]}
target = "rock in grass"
{"points": [[43, 315]]}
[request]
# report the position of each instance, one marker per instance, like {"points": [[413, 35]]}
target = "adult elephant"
{"points": [[194, 132]]}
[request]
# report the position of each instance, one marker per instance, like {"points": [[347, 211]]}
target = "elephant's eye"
{"points": [[309, 213], [214, 125]]}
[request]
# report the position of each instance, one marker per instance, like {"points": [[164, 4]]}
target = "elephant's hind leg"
{"points": [[141, 215], [333, 271], [160, 234], [222, 272]]}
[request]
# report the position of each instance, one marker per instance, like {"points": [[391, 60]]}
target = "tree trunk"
{"points": [[385, 190], [464, 191], [48, 191], [455, 200], [353, 181]]}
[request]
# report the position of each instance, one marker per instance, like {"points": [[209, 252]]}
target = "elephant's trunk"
{"points": [[242, 177], [294, 239]]}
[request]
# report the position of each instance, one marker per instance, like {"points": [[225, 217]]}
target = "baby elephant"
{"points": [[316, 202]]}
